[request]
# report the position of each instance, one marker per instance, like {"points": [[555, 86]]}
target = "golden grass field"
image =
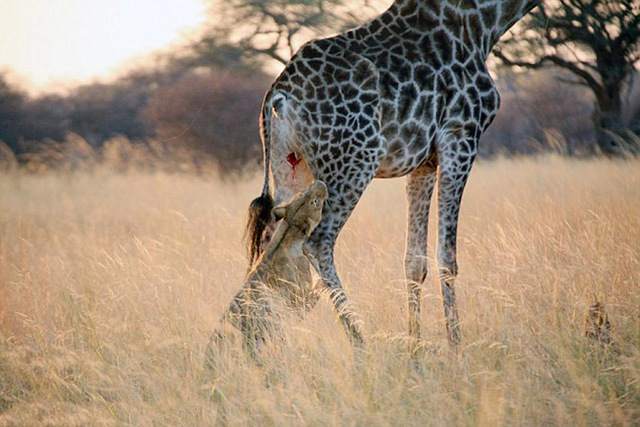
{"points": [[110, 285]]}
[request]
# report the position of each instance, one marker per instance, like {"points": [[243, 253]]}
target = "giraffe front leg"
{"points": [[452, 178], [447, 281], [448, 210], [419, 189]]}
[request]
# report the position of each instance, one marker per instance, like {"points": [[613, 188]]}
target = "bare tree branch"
{"points": [[275, 29], [598, 41], [586, 77]]}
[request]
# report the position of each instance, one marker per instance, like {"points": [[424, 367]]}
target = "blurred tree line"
{"points": [[202, 115], [200, 108]]}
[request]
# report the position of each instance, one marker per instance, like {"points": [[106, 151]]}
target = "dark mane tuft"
{"points": [[259, 217]]}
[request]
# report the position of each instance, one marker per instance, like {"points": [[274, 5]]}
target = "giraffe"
{"points": [[406, 94]]}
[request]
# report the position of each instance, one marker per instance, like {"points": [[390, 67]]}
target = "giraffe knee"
{"points": [[447, 263], [416, 268]]}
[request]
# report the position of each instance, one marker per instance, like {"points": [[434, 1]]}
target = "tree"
{"points": [[47, 116], [103, 110], [597, 41], [212, 114], [538, 113], [12, 110], [275, 28]]}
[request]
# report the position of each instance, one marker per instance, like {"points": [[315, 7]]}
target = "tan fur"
{"points": [[279, 284]]}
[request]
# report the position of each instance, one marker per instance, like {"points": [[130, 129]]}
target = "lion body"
{"points": [[279, 284]]}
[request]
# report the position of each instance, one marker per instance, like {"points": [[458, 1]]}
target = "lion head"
{"points": [[304, 210]]}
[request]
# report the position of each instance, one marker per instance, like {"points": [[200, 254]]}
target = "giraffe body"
{"points": [[406, 94]]}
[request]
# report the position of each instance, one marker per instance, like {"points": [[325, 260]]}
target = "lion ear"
{"points": [[278, 212]]}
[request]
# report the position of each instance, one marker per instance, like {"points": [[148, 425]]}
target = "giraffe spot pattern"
{"points": [[404, 94]]}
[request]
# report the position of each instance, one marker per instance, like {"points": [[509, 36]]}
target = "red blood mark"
{"points": [[293, 160]]}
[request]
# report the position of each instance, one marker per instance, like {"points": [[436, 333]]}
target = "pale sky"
{"points": [[52, 43]]}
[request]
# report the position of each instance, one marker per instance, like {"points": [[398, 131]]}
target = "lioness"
{"points": [[279, 282]]}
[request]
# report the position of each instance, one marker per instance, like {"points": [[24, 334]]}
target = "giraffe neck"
{"points": [[478, 23]]}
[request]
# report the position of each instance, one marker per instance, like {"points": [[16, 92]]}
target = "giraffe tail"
{"points": [[260, 208]]}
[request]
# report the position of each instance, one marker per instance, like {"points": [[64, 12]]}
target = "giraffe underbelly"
{"points": [[408, 146], [398, 164]]}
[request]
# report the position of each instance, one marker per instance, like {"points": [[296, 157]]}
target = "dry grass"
{"points": [[111, 283]]}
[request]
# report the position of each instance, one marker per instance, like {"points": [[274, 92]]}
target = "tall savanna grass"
{"points": [[110, 284]]}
